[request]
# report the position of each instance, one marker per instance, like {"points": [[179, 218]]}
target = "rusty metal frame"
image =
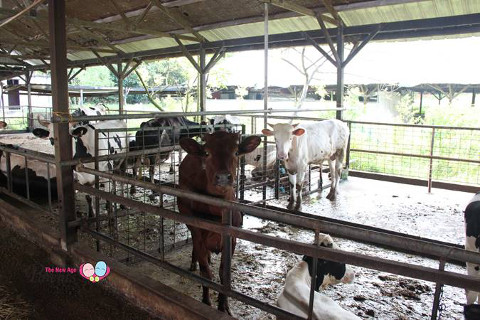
{"points": [[415, 271]]}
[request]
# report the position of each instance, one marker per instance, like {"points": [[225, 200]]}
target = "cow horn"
{"points": [[42, 121]]}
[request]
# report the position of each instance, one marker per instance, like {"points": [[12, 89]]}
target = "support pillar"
{"points": [[202, 96], [421, 103], [63, 141], [81, 97], [473, 97], [340, 71], [28, 77], [121, 96]]}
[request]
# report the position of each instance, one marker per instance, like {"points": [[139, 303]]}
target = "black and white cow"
{"points": [[83, 145], [225, 122], [38, 174], [472, 242], [295, 295], [168, 133]]}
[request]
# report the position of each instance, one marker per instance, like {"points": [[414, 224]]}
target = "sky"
{"points": [[407, 63]]}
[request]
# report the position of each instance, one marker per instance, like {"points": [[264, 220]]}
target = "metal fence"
{"points": [[144, 225], [430, 153]]}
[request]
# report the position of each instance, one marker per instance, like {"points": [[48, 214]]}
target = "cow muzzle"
{"points": [[223, 179], [349, 276]]}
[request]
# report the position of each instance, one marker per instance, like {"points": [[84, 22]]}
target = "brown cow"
{"points": [[210, 169]]}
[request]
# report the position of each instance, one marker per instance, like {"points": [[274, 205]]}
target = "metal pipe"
{"points": [[400, 268], [23, 200], [191, 276], [63, 119], [416, 155], [438, 292], [342, 229], [430, 165], [35, 155]]}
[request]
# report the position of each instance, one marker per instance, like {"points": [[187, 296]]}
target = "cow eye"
{"points": [[206, 154], [237, 154]]}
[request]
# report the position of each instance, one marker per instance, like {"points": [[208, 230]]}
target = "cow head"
{"points": [[329, 272], [46, 132], [220, 155], [3, 124], [284, 134]]}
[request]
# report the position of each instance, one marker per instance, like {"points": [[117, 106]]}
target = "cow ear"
{"points": [[249, 144], [3, 124], [267, 132], [41, 133], [192, 147], [78, 132], [298, 132]]}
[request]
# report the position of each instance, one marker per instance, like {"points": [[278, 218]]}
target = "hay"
{"points": [[12, 307]]}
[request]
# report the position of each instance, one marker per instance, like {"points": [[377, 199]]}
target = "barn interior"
{"points": [[134, 224]]}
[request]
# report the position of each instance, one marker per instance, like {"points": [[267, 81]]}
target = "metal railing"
{"points": [[422, 247]]}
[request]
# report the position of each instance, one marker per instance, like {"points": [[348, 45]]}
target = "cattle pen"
{"points": [[104, 187], [143, 226]]}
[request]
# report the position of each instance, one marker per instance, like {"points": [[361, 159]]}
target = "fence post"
{"points": [[430, 170], [314, 279]]}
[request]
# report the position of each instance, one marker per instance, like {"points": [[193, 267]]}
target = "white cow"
{"points": [[295, 295], [299, 145], [472, 242]]}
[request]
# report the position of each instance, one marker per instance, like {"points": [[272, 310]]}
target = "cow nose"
{"points": [[223, 179], [282, 156], [349, 276]]}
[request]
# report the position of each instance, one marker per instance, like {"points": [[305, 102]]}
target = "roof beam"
{"points": [[299, 9], [120, 12], [21, 13], [329, 6], [99, 38], [179, 19], [357, 49]]}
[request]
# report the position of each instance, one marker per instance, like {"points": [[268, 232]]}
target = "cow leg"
{"points": [[293, 183], [332, 194], [201, 255], [472, 269], [91, 212], [193, 264], [300, 179]]}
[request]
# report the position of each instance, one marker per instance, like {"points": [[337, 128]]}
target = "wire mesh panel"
{"points": [[424, 152]]}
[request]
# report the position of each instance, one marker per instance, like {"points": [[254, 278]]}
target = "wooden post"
{"points": [[473, 97], [28, 77], [421, 103], [121, 97], [63, 141], [340, 71]]}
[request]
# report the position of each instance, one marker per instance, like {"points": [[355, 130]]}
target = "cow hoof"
{"points": [[298, 208], [226, 310], [133, 190], [290, 206], [207, 301], [193, 266], [331, 196]]}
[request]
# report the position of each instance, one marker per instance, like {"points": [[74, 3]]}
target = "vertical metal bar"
{"points": [[265, 95], [421, 104], [347, 160], [63, 142], [227, 251], [29, 99], [202, 96], [430, 168], [81, 97], [9, 171], [277, 179], [1, 101], [310, 177], [242, 172], [340, 70], [27, 180], [49, 186], [314, 279], [97, 186], [438, 292]]}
